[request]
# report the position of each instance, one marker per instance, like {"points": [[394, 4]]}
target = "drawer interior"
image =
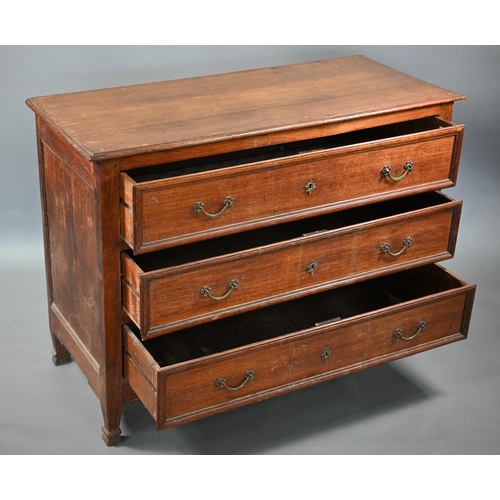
{"points": [[300, 314], [275, 234], [216, 162]]}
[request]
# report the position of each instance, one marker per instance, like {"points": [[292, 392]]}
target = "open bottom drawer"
{"points": [[249, 357]]}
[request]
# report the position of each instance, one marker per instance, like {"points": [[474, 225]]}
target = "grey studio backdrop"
{"points": [[445, 401]]}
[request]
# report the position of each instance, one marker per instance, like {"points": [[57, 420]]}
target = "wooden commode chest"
{"points": [[215, 241]]}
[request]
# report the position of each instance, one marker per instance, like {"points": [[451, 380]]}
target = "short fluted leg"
{"points": [[60, 355]]}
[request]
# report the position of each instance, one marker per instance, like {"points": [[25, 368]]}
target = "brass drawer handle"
{"points": [[399, 332], [408, 167], [221, 382], [199, 207], [384, 248], [206, 291]]}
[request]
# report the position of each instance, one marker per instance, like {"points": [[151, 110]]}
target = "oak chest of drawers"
{"points": [[214, 241]]}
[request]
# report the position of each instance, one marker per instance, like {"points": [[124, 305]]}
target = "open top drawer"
{"points": [[234, 361], [193, 200]]}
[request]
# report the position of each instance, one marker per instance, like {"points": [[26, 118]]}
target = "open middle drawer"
{"points": [[180, 287]]}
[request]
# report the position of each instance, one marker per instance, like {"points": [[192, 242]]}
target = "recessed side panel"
{"points": [[74, 270]]}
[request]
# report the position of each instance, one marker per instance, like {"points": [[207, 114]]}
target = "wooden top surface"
{"points": [[136, 119]]}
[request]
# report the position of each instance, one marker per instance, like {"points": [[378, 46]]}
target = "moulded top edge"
{"points": [[145, 118]]}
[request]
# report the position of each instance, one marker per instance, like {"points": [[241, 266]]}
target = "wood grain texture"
{"points": [[70, 235], [277, 138], [168, 299], [82, 247], [145, 363], [73, 250], [143, 118], [188, 390], [140, 385], [108, 264], [113, 208], [273, 191]]}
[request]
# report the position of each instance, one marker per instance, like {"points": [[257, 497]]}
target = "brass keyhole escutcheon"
{"points": [[312, 266], [310, 186], [326, 354]]}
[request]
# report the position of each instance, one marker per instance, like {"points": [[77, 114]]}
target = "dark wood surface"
{"points": [[363, 335], [159, 213], [129, 120], [168, 298], [107, 160]]}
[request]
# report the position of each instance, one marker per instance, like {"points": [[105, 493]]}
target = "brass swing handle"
{"points": [[407, 168], [384, 248], [199, 207], [399, 332], [206, 291], [221, 382]]}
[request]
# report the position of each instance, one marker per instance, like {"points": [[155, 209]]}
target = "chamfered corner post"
{"points": [[111, 309]]}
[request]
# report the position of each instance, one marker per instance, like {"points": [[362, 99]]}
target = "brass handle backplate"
{"points": [[221, 382], [384, 248], [199, 207], [399, 332], [407, 168], [206, 291]]}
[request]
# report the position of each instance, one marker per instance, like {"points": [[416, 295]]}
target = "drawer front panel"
{"points": [[210, 385], [383, 336], [172, 299], [405, 241], [169, 212], [322, 353]]}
